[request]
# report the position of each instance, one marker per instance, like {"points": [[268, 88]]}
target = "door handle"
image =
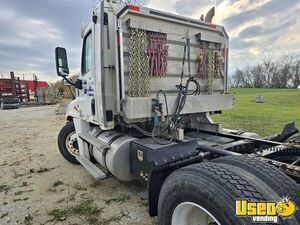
{"points": [[93, 108]]}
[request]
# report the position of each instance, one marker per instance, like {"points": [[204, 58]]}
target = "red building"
{"points": [[13, 87], [30, 84]]}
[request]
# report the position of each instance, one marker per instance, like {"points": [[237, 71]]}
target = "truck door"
{"points": [[95, 99], [92, 96], [103, 87], [86, 97]]}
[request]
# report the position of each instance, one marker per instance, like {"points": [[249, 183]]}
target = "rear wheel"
{"points": [[192, 214], [67, 143], [274, 178], [205, 194]]}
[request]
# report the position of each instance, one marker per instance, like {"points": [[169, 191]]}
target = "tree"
{"points": [[63, 89], [248, 78], [59, 87], [283, 72], [258, 77], [295, 68], [238, 78], [269, 68]]}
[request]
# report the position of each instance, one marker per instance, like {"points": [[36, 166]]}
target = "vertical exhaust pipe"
{"points": [[210, 15]]}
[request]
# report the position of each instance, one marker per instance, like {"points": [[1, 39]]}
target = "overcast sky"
{"points": [[31, 29]]}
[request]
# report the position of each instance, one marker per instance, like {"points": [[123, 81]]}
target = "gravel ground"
{"points": [[37, 186]]}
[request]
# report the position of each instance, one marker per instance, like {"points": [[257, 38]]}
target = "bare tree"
{"points": [[283, 72], [238, 78], [248, 77], [258, 76], [269, 68], [296, 72]]}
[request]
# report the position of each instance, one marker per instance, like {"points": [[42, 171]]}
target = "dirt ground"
{"points": [[37, 186]]}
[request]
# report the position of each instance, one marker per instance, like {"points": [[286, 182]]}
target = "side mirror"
{"points": [[61, 59]]}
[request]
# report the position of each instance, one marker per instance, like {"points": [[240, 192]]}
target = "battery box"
{"points": [[145, 154]]}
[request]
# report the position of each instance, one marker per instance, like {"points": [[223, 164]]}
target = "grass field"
{"points": [[281, 106]]}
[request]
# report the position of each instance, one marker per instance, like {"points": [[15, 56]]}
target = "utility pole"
{"points": [[19, 91], [35, 84], [13, 84]]}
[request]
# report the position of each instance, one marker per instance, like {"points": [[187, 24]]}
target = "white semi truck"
{"points": [[149, 82]]}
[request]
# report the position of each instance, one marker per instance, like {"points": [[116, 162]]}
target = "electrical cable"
{"points": [[144, 132], [183, 61], [180, 101], [175, 117], [166, 127], [162, 142], [179, 105], [153, 134], [166, 102]]}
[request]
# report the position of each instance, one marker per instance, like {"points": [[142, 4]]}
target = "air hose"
{"points": [[183, 92], [172, 122]]}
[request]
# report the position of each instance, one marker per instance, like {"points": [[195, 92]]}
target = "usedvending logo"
{"points": [[265, 212]]}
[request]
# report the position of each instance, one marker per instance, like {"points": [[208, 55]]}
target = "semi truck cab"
{"points": [[149, 82]]}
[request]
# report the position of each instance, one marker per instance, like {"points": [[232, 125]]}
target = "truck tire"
{"points": [[67, 143], [205, 191], [272, 176]]}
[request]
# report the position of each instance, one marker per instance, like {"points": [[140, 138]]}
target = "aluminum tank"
{"points": [[117, 157]]}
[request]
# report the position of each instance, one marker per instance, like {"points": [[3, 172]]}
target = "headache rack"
{"points": [[139, 79]]}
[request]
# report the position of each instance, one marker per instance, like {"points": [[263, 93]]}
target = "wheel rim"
{"points": [[72, 144], [188, 213]]}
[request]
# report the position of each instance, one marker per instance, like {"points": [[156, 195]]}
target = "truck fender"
{"points": [[159, 174], [71, 111], [155, 183]]}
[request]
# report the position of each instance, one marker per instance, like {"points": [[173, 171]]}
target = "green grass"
{"points": [[281, 106], [120, 199], [4, 187], [57, 183], [86, 209]]}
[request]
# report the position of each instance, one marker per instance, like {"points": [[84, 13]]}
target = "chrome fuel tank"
{"points": [[116, 158]]}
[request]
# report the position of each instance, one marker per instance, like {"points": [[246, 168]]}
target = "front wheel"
{"points": [[67, 143], [205, 194]]}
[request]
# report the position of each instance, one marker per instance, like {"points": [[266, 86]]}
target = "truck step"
{"points": [[91, 168], [93, 141]]}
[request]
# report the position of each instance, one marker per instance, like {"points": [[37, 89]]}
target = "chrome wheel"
{"points": [[72, 144], [188, 213]]}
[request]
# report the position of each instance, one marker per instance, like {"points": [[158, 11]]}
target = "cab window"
{"points": [[87, 54]]}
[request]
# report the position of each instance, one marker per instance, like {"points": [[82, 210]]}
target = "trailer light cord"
{"points": [[172, 120], [182, 93], [166, 102], [172, 123], [154, 134]]}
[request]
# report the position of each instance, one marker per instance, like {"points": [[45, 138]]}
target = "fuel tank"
{"points": [[116, 158]]}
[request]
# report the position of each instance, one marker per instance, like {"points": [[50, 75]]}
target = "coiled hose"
{"points": [[175, 117]]}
